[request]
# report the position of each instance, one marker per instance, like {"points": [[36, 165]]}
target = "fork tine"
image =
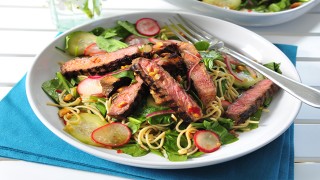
{"points": [[177, 33], [190, 37], [195, 29]]}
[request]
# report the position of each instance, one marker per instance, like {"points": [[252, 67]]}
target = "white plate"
{"points": [[245, 18], [282, 110]]}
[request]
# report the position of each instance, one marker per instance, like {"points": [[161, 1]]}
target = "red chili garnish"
{"points": [[58, 91], [195, 111], [119, 151]]}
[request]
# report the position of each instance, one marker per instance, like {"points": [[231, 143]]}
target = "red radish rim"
{"points": [[204, 149], [145, 33], [86, 51], [112, 145], [87, 48], [95, 77]]}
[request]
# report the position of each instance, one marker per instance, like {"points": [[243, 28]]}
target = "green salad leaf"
{"points": [[208, 58], [274, 66], [134, 150], [55, 86], [128, 74], [202, 45], [170, 145], [130, 27], [110, 45], [225, 136]]}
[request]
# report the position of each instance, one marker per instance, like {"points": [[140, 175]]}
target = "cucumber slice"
{"points": [[78, 41], [83, 128], [247, 80], [232, 4]]}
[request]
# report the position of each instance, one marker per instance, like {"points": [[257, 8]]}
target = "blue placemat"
{"points": [[24, 137]]}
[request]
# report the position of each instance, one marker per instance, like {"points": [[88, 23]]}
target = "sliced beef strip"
{"points": [[127, 100], [110, 84], [162, 83], [103, 63], [200, 77], [159, 99], [99, 64], [250, 100]]}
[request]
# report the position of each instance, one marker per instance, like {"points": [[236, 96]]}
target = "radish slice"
{"points": [[92, 50], [90, 86], [162, 112], [113, 134], [147, 26], [135, 40], [207, 141]]}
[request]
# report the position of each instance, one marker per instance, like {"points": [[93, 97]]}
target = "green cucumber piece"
{"points": [[78, 41], [83, 128], [247, 80]]}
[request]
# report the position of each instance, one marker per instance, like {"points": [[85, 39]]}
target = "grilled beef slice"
{"points": [[172, 63], [159, 99], [127, 99], [100, 64], [104, 63], [166, 87], [250, 100], [200, 77]]}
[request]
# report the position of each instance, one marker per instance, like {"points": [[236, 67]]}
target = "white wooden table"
{"points": [[26, 28]]}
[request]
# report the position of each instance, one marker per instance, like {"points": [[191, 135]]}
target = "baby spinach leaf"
{"points": [[274, 66], [130, 27], [202, 45], [55, 86], [225, 136], [134, 150], [110, 45], [128, 74]]}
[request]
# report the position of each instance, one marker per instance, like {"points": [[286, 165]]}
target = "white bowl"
{"points": [[245, 18], [283, 108]]}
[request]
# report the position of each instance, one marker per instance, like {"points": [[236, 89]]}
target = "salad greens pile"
{"points": [[112, 39], [258, 5]]}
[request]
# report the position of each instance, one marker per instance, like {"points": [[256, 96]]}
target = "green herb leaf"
{"points": [[225, 136], [226, 122], [130, 27], [274, 66], [171, 147], [128, 74], [97, 31], [202, 45], [110, 45], [134, 150], [55, 86], [109, 33], [209, 57]]}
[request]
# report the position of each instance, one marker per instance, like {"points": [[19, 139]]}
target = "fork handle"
{"points": [[306, 94]]}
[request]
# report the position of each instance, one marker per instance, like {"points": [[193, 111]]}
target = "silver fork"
{"points": [[306, 94]]}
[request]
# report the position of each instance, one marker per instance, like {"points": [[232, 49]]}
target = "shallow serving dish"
{"points": [[283, 109], [245, 18]]}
